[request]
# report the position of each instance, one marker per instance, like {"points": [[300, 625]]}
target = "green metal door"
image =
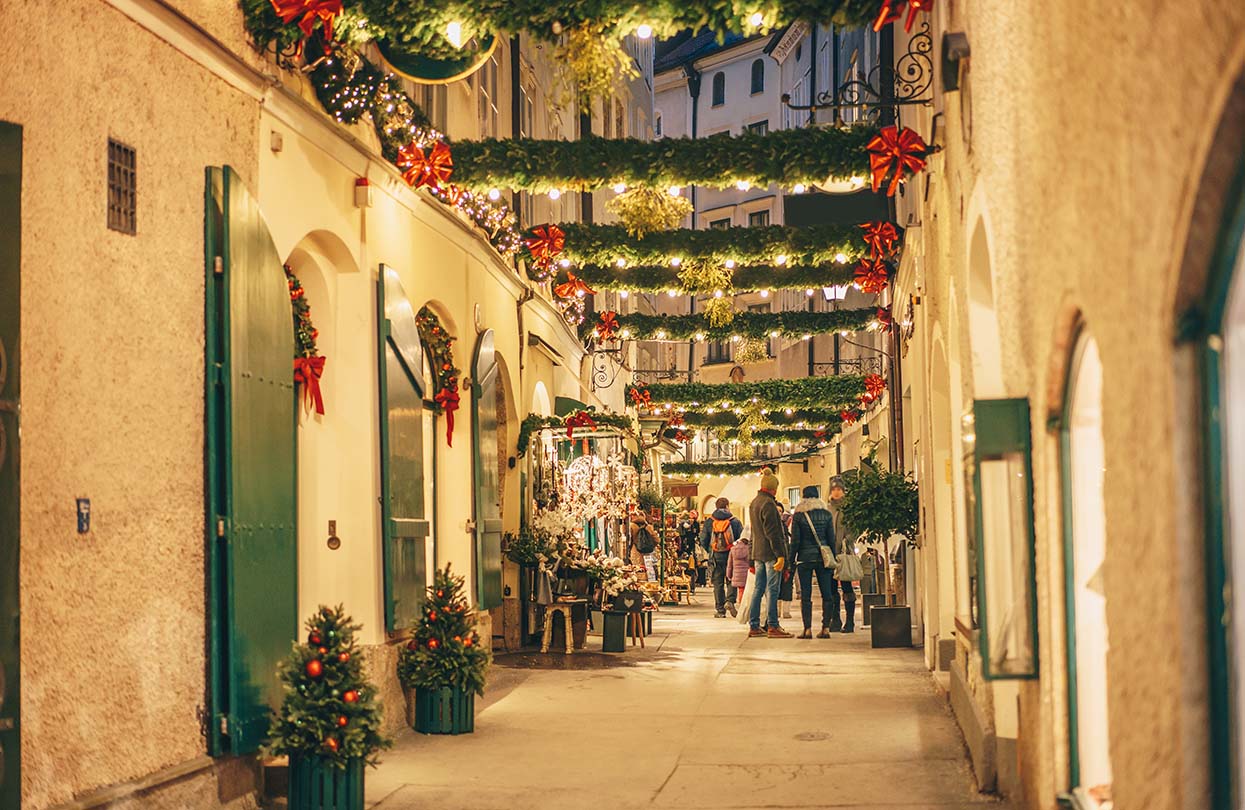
{"points": [[252, 484], [487, 488], [406, 427], [10, 529]]}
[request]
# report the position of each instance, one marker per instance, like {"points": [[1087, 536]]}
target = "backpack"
{"points": [[723, 535], [645, 540]]}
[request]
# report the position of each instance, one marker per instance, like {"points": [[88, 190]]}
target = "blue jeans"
{"points": [[768, 581]]}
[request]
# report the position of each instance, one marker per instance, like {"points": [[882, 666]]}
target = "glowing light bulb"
{"points": [[672, 293], [735, 338], [743, 185], [780, 259], [840, 258], [675, 191], [644, 31], [765, 293], [454, 33], [799, 188], [661, 334], [730, 264], [579, 293], [857, 181], [619, 188], [564, 263], [809, 293], [787, 411], [620, 262], [806, 337], [699, 336], [555, 193], [771, 334], [494, 194], [625, 333], [756, 19], [623, 294], [676, 262], [717, 293]]}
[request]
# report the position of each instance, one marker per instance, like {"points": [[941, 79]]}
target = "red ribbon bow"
{"points": [[641, 397], [447, 398], [307, 370], [897, 150], [875, 384], [546, 242], [849, 417], [312, 12], [891, 9], [884, 316], [425, 169], [573, 287], [872, 275], [607, 328], [581, 419], [881, 238]]}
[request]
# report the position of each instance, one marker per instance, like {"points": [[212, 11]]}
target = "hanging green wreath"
{"points": [[745, 325], [535, 423], [439, 344], [839, 391], [785, 157], [779, 246]]}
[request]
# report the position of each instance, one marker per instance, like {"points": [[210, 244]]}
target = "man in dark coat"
{"points": [[769, 557], [812, 527]]}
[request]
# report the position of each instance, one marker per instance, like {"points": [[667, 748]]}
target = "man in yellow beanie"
{"points": [[769, 556]]}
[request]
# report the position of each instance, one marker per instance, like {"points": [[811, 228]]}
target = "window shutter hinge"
{"points": [[218, 265], [224, 725], [220, 527]]}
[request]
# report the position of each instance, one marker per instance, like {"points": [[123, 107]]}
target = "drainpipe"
{"points": [[812, 84], [693, 92]]}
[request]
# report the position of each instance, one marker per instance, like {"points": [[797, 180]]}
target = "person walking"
{"points": [[769, 558], [739, 562], [812, 527], [842, 543], [718, 536]]}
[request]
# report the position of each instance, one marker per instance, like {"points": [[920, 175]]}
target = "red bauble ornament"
{"points": [[412, 645], [351, 696], [467, 642], [315, 639], [324, 651], [432, 617], [343, 657], [342, 721], [314, 668], [440, 594], [458, 638], [331, 743], [433, 644]]}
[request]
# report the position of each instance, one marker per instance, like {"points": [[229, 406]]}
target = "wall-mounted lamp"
{"points": [[954, 50]]}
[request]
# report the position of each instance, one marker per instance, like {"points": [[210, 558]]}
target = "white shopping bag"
{"points": [[745, 600]]}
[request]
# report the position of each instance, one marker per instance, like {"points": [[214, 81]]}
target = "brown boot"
{"points": [[825, 633], [778, 632], [806, 634], [755, 632]]}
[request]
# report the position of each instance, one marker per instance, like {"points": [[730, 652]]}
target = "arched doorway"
{"points": [[1083, 457]]}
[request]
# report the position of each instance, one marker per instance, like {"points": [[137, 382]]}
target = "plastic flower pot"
{"points": [[448, 710], [318, 784]]}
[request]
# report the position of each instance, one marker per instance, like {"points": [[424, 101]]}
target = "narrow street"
{"points": [[702, 718]]}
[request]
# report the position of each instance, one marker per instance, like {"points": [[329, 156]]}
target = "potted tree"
{"points": [[329, 722], [881, 505], [444, 663]]}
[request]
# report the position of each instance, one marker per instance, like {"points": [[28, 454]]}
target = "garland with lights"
{"points": [[797, 418], [658, 279], [534, 423], [787, 157], [780, 245], [702, 469], [754, 325], [422, 25], [440, 347], [805, 392]]}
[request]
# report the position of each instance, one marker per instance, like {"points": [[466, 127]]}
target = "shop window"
{"points": [[719, 89], [1085, 534], [758, 76], [758, 219], [657, 126], [718, 351], [719, 224], [620, 119], [486, 95], [758, 128], [122, 188]]}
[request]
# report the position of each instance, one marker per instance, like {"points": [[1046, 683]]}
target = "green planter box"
{"points": [[614, 632], [316, 784], [445, 711]]}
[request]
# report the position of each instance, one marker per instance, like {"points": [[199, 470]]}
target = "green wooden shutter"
{"points": [[405, 429], [10, 490], [252, 421], [487, 490]]}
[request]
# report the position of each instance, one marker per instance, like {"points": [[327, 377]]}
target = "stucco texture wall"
{"points": [[1078, 139], [112, 392]]}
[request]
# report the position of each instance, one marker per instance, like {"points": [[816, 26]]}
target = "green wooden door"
{"points": [[10, 529], [406, 427], [487, 487], [252, 484]]}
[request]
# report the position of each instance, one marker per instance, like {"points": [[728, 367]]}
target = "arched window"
{"points": [[719, 89], [758, 76]]}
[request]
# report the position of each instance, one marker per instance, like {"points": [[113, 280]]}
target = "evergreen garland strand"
{"points": [[703, 469], [799, 417], [785, 157], [745, 325], [839, 391], [589, 244], [305, 333], [656, 279], [534, 423]]}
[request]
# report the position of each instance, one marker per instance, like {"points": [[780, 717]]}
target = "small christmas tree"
{"points": [[445, 649], [330, 710]]}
